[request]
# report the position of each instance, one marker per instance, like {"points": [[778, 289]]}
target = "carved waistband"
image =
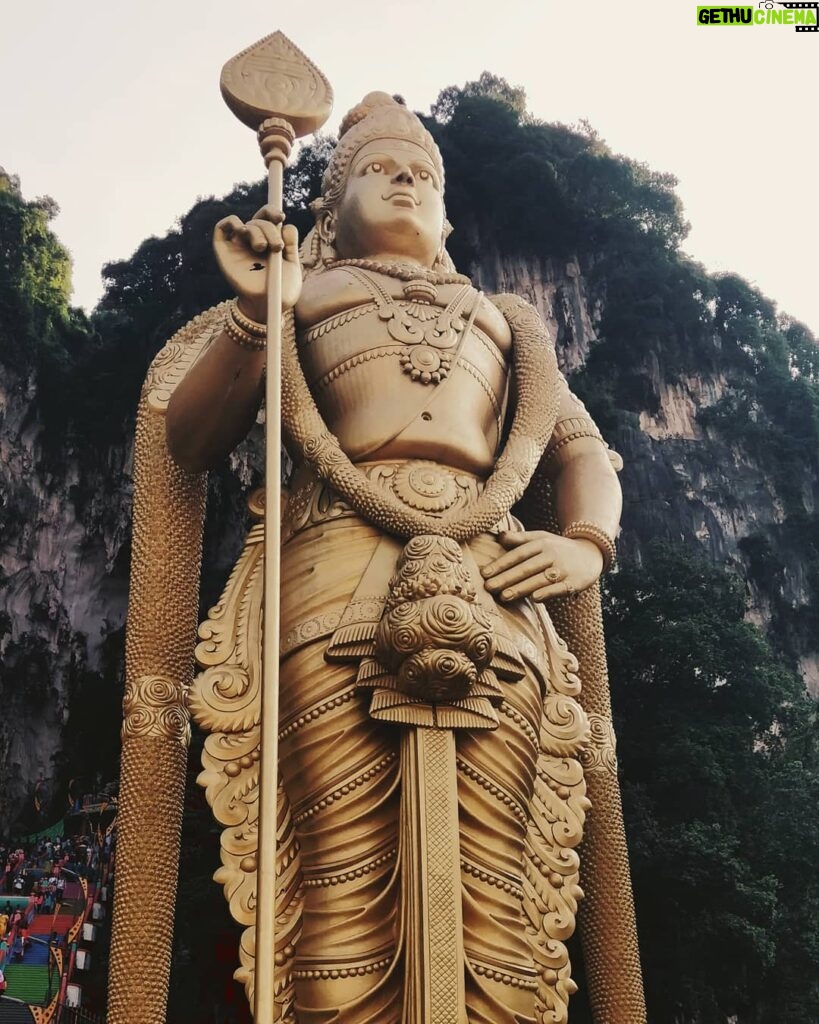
{"points": [[424, 486]]}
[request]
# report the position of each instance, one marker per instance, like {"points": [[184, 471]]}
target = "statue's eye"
{"points": [[375, 167]]}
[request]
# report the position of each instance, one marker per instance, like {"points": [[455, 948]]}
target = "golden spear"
{"points": [[275, 90]]}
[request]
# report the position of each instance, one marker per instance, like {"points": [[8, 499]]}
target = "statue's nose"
{"points": [[404, 176]]}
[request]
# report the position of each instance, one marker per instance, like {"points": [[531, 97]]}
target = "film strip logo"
{"points": [[767, 4]]}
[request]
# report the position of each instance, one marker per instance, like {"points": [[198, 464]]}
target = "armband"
{"points": [[243, 331], [582, 529], [569, 430]]}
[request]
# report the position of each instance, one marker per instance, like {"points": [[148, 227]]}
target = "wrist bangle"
{"points": [[251, 342], [582, 529], [247, 325]]}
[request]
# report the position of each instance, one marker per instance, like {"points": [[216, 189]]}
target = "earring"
{"points": [[327, 241]]}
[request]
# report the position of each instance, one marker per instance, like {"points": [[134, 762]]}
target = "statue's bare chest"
{"points": [[409, 310]]}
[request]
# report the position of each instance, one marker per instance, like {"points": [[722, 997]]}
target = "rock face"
{"points": [[64, 563], [64, 548], [65, 528], [559, 293], [683, 480]]}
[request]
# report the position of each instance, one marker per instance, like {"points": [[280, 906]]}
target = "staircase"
{"points": [[34, 980], [12, 1012], [28, 979]]}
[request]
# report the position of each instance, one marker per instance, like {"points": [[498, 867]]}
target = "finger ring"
{"points": [[551, 575]]}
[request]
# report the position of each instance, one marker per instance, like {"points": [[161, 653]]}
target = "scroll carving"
{"points": [[155, 706], [600, 754]]}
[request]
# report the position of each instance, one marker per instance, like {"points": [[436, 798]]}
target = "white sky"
{"points": [[113, 108]]}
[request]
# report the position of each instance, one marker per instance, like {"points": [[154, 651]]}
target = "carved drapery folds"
{"points": [[225, 702]]}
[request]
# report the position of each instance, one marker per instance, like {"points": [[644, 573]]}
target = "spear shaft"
{"points": [[273, 87], [264, 985]]}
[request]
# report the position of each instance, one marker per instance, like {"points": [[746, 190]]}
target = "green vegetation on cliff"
{"points": [[39, 331], [35, 279], [719, 756]]}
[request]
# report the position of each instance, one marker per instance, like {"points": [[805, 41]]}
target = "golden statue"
{"points": [[435, 746]]}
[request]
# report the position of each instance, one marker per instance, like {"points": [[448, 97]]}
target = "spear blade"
{"points": [[273, 78]]}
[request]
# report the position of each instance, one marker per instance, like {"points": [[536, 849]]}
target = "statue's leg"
{"points": [[496, 773], [495, 781], [341, 773]]}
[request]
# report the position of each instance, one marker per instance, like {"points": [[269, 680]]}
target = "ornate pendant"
{"points": [[425, 364], [421, 291]]}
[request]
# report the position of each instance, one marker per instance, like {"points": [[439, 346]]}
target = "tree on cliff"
{"points": [[36, 321], [40, 332]]}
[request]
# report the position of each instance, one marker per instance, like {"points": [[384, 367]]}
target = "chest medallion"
{"points": [[430, 336]]}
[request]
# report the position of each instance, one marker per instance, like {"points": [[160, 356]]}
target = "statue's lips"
{"points": [[402, 198]]}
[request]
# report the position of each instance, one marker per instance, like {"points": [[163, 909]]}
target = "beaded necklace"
{"points": [[403, 271]]}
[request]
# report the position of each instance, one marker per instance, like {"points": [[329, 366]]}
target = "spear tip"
{"points": [[273, 78]]}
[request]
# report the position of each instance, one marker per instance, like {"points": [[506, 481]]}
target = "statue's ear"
{"points": [[323, 235], [325, 221]]}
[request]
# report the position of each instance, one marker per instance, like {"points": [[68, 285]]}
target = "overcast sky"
{"points": [[113, 108]]}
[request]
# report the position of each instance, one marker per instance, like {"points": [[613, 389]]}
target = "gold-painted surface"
{"points": [[348, 937], [556, 807], [568, 430], [520, 794], [608, 926], [607, 919], [168, 368], [152, 791], [168, 512], [152, 708], [536, 409], [556, 823], [420, 485], [273, 78], [431, 878], [225, 701], [434, 638], [601, 753]]}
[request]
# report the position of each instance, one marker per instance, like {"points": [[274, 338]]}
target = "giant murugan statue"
{"points": [[436, 742]]}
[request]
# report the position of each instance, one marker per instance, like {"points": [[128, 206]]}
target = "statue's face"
{"points": [[392, 204]]}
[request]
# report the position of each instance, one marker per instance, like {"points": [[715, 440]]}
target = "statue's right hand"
{"points": [[242, 251]]}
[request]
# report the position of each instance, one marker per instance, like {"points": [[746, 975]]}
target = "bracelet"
{"points": [[238, 330], [582, 529], [247, 325]]}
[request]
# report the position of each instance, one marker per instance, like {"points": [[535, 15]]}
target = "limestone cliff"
{"points": [[65, 530], [64, 562]]}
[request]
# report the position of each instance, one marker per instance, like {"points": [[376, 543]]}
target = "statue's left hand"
{"points": [[542, 565]]}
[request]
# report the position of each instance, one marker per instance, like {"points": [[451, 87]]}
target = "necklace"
{"points": [[430, 335], [403, 271]]}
